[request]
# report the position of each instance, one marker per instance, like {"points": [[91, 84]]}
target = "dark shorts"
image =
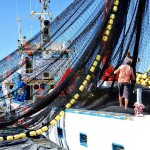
{"points": [[124, 89]]}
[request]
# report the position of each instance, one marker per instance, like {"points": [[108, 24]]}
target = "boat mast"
{"points": [[44, 18], [20, 40]]}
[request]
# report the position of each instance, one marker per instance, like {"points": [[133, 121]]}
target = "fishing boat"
{"points": [[61, 85]]}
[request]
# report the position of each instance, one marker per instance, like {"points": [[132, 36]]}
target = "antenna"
{"points": [[19, 30], [20, 40]]}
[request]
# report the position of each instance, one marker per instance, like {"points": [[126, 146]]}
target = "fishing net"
{"points": [[83, 27]]}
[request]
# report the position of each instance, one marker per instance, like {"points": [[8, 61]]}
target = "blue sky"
{"points": [[10, 9]]}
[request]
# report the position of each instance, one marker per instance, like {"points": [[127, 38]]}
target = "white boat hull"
{"points": [[95, 130]]}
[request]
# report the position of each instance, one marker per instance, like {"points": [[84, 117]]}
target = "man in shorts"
{"points": [[125, 72]]}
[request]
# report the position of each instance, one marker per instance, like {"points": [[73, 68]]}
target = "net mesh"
{"points": [[82, 25]]}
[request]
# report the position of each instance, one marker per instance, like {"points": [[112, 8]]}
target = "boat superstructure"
{"points": [[35, 60]]}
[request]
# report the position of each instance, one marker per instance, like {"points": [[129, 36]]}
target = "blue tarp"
{"points": [[21, 93]]}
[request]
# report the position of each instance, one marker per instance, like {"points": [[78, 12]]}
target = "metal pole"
{"points": [[139, 95]]}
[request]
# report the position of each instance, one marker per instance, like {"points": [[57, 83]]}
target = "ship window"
{"points": [[52, 86], [83, 139], [60, 132], [29, 67], [11, 86], [36, 87], [28, 93], [117, 146], [42, 86], [46, 74]]}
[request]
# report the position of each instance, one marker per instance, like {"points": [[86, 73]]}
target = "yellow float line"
{"points": [[53, 122], [110, 21]]}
